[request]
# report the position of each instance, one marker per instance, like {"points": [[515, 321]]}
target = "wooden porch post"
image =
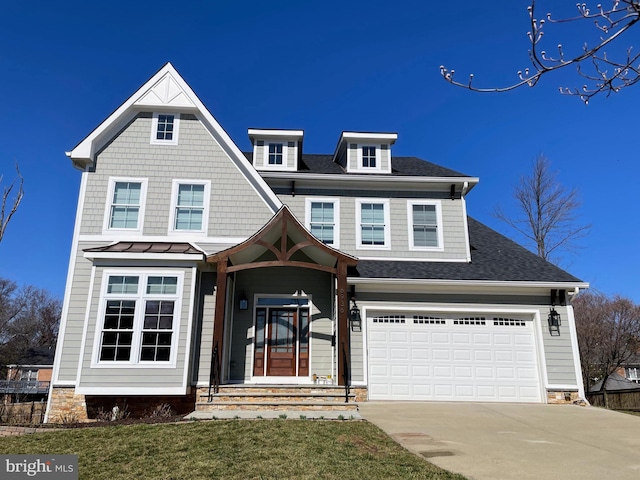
{"points": [[343, 322]]}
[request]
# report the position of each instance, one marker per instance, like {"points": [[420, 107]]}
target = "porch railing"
{"points": [[346, 374], [28, 387], [214, 374]]}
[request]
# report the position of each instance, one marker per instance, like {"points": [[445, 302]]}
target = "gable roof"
{"points": [[615, 382], [494, 258], [167, 91]]}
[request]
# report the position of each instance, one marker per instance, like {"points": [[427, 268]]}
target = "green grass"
{"points": [[243, 449]]}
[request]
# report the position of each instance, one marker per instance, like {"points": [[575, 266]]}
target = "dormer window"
{"points": [[275, 153], [368, 157], [360, 152], [164, 129], [276, 150]]}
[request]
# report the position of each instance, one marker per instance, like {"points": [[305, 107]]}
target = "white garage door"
{"points": [[448, 357]]}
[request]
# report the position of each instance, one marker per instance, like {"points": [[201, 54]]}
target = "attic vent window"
{"points": [[164, 130]]}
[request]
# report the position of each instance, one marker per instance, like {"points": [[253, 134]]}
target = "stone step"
{"points": [[259, 397], [277, 406], [281, 389]]}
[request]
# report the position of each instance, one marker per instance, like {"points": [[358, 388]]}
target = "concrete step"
{"points": [[259, 397]]}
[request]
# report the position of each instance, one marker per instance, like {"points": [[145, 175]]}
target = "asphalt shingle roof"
{"points": [[493, 258], [401, 166]]}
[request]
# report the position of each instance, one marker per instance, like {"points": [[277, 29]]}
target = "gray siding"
{"points": [[453, 225], [283, 281], [197, 156], [204, 334], [72, 340], [558, 351], [134, 375]]}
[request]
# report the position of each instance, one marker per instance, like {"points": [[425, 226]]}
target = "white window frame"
{"points": [[439, 227], [174, 205], [106, 228], [356, 165], [633, 374], [154, 129], [336, 216], [138, 323], [387, 223], [285, 155]]}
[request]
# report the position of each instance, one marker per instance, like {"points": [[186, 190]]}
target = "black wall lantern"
{"points": [[243, 303], [354, 313], [554, 322]]}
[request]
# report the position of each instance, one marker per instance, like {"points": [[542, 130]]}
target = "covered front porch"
{"points": [[281, 328]]}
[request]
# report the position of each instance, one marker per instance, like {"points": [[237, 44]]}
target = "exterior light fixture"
{"points": [[554, 322], [355, 318], [243, 303]]}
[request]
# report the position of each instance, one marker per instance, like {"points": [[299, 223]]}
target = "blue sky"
{"points": [[321, 66]]}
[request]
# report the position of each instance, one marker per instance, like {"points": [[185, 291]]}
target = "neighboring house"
{"points": [[197, 267], [29, 379], [615, 382], [631, 369]]}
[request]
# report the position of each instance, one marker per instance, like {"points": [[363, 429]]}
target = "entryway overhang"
{"points": [[284, 242]]}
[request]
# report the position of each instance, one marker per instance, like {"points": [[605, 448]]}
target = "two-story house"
{"points": [[197, 267]]}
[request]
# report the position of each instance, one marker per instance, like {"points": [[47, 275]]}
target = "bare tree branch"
{"points": [[608, 331], [10, 203], [592, 64], [547, 211]]}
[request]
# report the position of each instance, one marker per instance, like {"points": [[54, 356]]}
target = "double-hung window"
{"points": [[164, 128], [425, 224], [373, 229], [323, 216], [140, 318], [125, 205], [633, 374], [190, 206]]}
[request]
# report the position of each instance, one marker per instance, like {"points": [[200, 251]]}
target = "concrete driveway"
{"points": [[515, 441]]}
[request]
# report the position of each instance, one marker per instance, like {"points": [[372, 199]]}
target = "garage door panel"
{"points": [[441, 354], [475, 358]]}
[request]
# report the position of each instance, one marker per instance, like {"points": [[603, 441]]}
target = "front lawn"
{"points": [[232, 449]]}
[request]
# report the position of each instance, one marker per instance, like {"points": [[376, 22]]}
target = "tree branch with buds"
{"points": [[601, 73]]}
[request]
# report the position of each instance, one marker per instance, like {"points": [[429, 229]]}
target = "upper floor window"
{"points": [[425, 224], [275, 153], [139, 319], [190, 205], [368, 157], [633, 374], [373, 228], [125, 204], [164, 129], [322, 216]]}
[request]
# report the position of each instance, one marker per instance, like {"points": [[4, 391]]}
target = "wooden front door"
{"points": [[281, 342]]}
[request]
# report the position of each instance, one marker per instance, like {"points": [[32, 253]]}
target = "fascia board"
{"points": [[328, 177], [263, 132], [465, 284]]}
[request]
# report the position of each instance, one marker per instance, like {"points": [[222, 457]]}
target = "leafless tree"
{"points": [[600, 72], [10, 200], [547, 211], [608, 335], [29, 317]]}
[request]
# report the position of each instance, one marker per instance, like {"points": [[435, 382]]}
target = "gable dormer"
{"points": [[361, 152], [276, 150]]}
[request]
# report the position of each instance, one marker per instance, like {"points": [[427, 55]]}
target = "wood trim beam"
{"points": [[281, 263]]}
